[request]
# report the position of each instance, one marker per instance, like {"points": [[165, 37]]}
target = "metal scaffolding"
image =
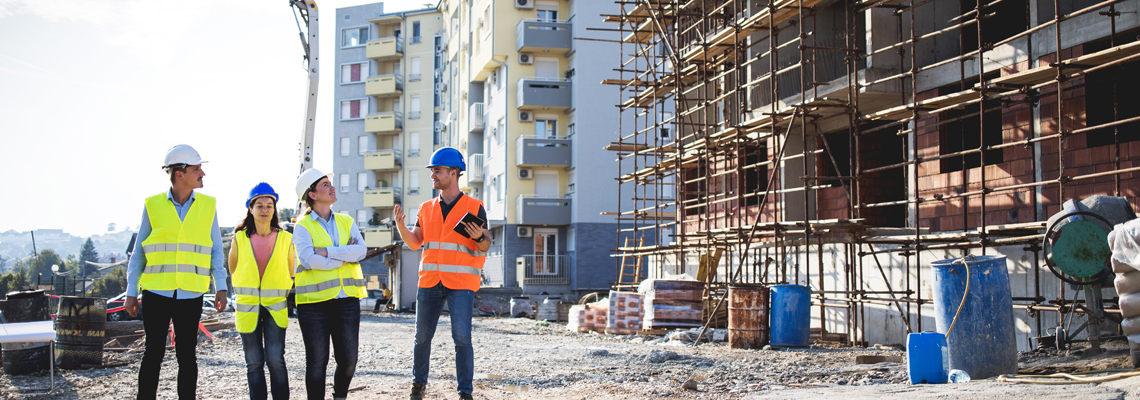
{"points": [[747, 115]]}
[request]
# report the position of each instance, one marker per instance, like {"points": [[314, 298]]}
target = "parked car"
{"points": [[121, 315]]}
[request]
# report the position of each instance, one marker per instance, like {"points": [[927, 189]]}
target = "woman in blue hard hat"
{"points": [[261, 264]]}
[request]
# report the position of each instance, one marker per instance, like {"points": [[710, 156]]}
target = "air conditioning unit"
{"points": [[524, 3], [526, 173], [525, 231], [526, 116], [526, 58]]}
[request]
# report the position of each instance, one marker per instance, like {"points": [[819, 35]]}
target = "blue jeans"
{"points": [[429, 304], [338, 320], [271, 352]]}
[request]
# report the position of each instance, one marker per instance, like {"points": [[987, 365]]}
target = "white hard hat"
{"points": [[182, 154], [307, 178]]}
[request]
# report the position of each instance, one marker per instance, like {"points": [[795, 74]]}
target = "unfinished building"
{"points": [[846, 144]]}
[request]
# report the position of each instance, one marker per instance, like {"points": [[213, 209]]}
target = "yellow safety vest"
{"points": [[314, 285], [269, 291], [178, 251]]}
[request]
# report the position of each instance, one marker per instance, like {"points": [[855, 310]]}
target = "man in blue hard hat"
{"points": [[450, 268]]}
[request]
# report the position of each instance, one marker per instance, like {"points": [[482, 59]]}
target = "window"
{"points": [[352, 37], [361, 182], [667, 128], [546, 11], [414, 72], [962, 134], [570, 239], [414, 107], [546, 127], [414, 215], [414, 145], [413, 182], [362, 145], [344, 182], [353, 73], [502, 187], [362, 218], [500, 131], [1007, 18], [415, 32], [353, 109], [344, 147], [755, 176], [1099, 105], [486, 21]]}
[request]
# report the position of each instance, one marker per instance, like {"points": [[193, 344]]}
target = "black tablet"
{"points": [[469, 217]]}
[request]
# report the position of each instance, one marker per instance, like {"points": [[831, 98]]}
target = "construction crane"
{"points": [[304, 10]]}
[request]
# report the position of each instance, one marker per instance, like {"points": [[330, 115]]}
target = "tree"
{"points": [[13, 281], [43, 263], [87, 254], [110, 285], [287, 214]]}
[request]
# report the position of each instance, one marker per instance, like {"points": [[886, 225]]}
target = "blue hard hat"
{"points": [[447, 157], [262, 189]]}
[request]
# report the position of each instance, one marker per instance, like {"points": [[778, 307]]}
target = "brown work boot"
{"points": [[417, 392]]}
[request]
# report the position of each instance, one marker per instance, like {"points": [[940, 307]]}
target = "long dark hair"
{"points": [[250, 224]]}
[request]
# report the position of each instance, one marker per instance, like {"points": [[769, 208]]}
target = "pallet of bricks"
{"points": [[625, 313], [588, 317], [671, 304]]}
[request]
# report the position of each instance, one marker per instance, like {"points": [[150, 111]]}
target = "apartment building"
{"points": [[384, 113]]}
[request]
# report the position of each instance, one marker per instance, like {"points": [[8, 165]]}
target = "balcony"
{"points": [[390, 85], [543, 93], [477, 117], [537, 36], [538, 269], [383, 49], [384, 123], [536, 151], [377, 237], [475, 170], [533, 209], [381, 198], [382, 160]]}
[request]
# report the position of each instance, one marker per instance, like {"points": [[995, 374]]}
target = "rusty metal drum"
{"points": [[747, 316], [80, 325], [26, 358]]}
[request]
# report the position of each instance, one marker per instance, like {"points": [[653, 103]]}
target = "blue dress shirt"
{"points": [[338, 255]]}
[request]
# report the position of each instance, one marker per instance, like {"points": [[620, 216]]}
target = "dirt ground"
{"points": [[519, 358]]}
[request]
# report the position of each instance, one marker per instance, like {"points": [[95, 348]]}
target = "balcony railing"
{"points": [[384, 123], [477, 117], [533, 151], [382, 198], [536, 269], [383, 160], [543, 92], [385, 48], [388, 85], [543, 35], [533, 209], [377, 237], [475, 171]]}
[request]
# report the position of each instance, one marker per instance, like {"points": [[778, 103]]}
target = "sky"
{"points": [[93, 94]]}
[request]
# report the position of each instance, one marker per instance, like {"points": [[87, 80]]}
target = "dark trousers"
{"points": [[338, 321], [265, 346], [160, 311]]}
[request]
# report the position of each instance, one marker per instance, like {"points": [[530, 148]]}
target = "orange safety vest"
{"points": [[448, 256]]}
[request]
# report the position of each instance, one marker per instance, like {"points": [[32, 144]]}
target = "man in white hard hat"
{"points": [[329, 285], [178, 249]]}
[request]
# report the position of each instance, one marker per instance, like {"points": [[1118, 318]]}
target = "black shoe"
{"points": [[417, 392], [465, 396]]}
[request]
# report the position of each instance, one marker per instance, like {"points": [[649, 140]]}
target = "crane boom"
{"points": [[307, 11]]}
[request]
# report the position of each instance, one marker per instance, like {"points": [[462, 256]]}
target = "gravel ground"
{"points": [[519, 358]]}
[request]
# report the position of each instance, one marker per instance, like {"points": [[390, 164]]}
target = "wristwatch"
{"points": [[481, 239]]}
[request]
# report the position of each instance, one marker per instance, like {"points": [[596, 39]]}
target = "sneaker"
{"points": [[465, 396], [417, 392]]}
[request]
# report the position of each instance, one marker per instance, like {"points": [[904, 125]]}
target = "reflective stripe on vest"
{"points": [[178, 250], [186, 247], [454, 247], [449, 257], [255, 289], [315, 285]]}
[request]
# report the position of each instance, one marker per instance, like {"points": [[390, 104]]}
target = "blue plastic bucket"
{"points": [[791, 315], [982, 342], [927, 358]]}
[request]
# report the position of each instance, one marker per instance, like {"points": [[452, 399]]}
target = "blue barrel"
{"points": [[927, 360], [982, 342], [791, 315]]}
